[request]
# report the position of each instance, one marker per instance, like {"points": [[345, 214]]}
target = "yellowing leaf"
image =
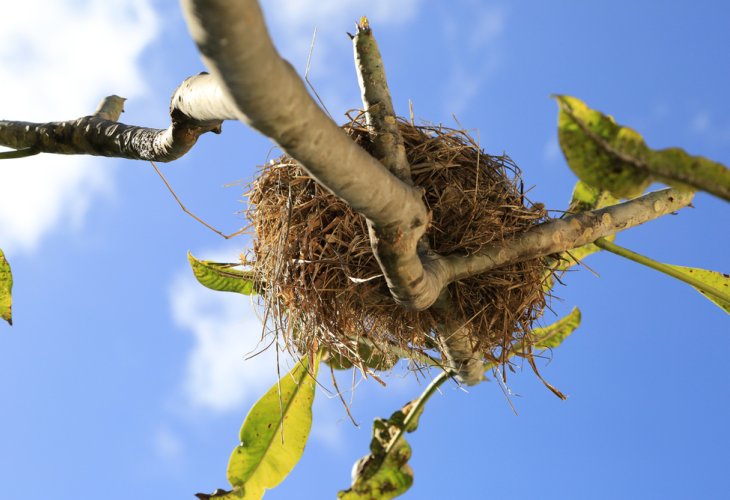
{"points": [[600, 152], [263, 460], [553, 335], [222, 277], [384, 473], [586, 197], [6, 288], [678, 168], [615, 158], [716, 285]]}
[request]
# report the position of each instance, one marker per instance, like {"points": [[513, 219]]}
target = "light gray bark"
{"points": [[251, 82], [236, 47], [197, 106], [564, 234]]}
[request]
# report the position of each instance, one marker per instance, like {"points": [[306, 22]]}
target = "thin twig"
{"points": [[306, 75], [172, 191], [342, 398]]}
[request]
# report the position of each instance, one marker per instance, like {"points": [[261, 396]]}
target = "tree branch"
{"points": [[197, 107], [251, 82], [453, 336], [560, 235], [379, 113], [236, 46]]}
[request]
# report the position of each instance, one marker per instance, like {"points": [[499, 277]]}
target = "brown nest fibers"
{"points": [[323, 288]]}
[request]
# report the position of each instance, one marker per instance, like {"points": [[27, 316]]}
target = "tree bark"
{"points": [[251, 82], [197, 106]]}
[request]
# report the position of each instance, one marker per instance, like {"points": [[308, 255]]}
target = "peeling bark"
{"points": [[252, 83], [453, 336], [236, 47], [197, 107]]}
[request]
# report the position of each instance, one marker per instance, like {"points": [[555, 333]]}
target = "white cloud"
{"points": [[551, 150], [329, 419], [226, 330], [473, 43], [462, 87], [700, 122], [715, 131], [167, 445], [292, 23], [489, 26], [217, 377], [57, 60]]}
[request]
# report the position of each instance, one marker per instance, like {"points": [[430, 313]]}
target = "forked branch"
{"points": [[271, 97], [197, 107], [251, 82]]}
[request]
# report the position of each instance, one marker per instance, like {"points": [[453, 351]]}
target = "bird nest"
{"points": [[323, 288]]}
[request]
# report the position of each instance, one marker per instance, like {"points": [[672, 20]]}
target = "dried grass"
{"points": [[323, 287]]}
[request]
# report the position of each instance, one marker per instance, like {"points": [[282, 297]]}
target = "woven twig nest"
{"points": [[322, 286]]}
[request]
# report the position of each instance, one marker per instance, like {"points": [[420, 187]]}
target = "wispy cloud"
{"points": [[292, 24], [226, 331], [489, 23], [551, 151], [292, 21], [57, 60], [168, 446], [218, 378], [473, 42], [700, 122], [710, 128]]}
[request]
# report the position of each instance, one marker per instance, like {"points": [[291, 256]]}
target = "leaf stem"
{"points": [[18, 153], [418, 407], [658, 266]]}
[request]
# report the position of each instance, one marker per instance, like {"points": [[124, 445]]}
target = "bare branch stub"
{"points": [[197, 107], [251, 82], [379, 112], [453, 334], [236, 46], [283, 110]]}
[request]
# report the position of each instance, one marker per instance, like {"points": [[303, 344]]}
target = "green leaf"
{"points": [[719, 283], [553, 335], [586, 197], [274, 434], [615, 158], [6, 288], [601, 152], [385, 473], [222, 277], [675, 166]]}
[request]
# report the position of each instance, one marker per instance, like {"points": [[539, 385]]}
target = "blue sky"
{"points": [[123, 376]]}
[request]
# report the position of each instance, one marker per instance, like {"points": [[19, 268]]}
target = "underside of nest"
{"points": [[323, 288]]}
